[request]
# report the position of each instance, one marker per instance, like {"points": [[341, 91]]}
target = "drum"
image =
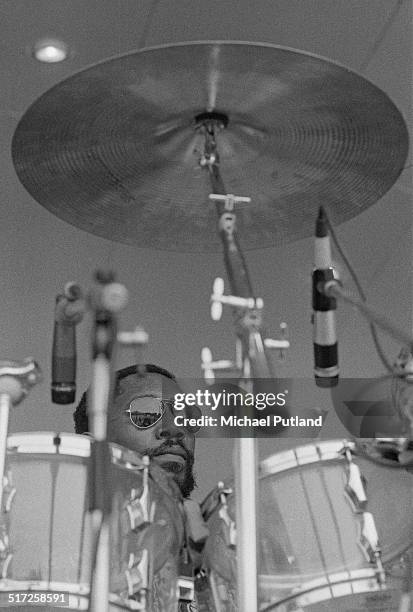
{"points": [[46, 530], [334, 531]]}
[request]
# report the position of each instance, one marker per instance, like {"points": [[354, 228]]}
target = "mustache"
{"points": [[165, 446]]}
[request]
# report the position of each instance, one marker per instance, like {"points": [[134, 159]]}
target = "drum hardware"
{"points": [[186, 588], [385, 450], [139, 508], [218, 298], [135, 338], [259, 145], [5, 552], [9, 491], [251, 355], [370, 543], [230, 532], [69, 543], [301, 491], [16, 379], [106, 300], [137, 576], [186, 579], [354, 486], [229, 200], [210, 366]]}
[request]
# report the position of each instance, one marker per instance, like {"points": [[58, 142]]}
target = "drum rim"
{"points": [[72, 444], [79, 591], [322, 589]]}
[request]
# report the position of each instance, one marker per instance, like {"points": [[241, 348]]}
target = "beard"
{"points": [[184, 478]]}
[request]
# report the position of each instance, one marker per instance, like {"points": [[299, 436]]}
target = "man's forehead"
{"points": [[150, 384]]}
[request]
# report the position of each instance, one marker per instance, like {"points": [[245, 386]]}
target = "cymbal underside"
{"points": [[114, 149]]}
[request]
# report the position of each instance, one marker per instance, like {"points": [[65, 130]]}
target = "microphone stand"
{"points": [[107, 299], [16, 378]]}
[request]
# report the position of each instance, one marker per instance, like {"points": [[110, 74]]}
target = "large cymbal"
{"points": [[114, 150]]}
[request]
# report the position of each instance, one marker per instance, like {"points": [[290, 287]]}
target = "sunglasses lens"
{"points": [[145, 412], [144, 420]]}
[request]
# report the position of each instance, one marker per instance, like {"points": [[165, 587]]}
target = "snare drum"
{"points": [[334, 528], [46, 531]]}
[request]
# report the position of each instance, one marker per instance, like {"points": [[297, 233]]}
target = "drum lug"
{"points": [[369, 541], [139, 509], [231, 531], [139, 514], [8, 491], [186, 588], [137, 573], [4, 565], [354, 487], [369, 537], [5, 553]]}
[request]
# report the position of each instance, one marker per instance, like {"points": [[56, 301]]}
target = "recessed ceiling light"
{"points": [[50, 51]]}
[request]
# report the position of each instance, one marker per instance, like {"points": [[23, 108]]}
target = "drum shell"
{"points": [[49, 529], [309, 530]]}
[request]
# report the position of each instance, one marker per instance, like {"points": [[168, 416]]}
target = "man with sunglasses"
{"points": [[141, 418]]}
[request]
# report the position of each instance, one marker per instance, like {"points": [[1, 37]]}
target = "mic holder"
{"points": [[69, 311]]}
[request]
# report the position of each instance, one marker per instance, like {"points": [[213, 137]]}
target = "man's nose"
{"points": [[167, 428]]}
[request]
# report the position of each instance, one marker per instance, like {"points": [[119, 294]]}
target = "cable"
{"points": [[362, 295], [382, 34]]}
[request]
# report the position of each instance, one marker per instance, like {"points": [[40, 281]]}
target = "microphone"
{"points": [[326, 368], [69, 311]]}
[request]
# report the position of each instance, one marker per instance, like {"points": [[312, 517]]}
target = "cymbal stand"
{"points": [[107, 299], [253, 359], [16, 379]]}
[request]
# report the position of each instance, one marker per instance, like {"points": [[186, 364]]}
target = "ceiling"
{"points": [[369, 36]]}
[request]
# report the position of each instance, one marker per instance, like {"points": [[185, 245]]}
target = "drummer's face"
{"points": [[170, 446]]}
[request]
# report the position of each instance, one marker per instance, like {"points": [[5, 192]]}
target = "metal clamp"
{"points": [[209, 366], [16, 378], [229, 200], [218, 299], [279, 345], [136, 337]]}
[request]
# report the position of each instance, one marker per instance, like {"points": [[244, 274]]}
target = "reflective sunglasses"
{"points": [[145, 412]]}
